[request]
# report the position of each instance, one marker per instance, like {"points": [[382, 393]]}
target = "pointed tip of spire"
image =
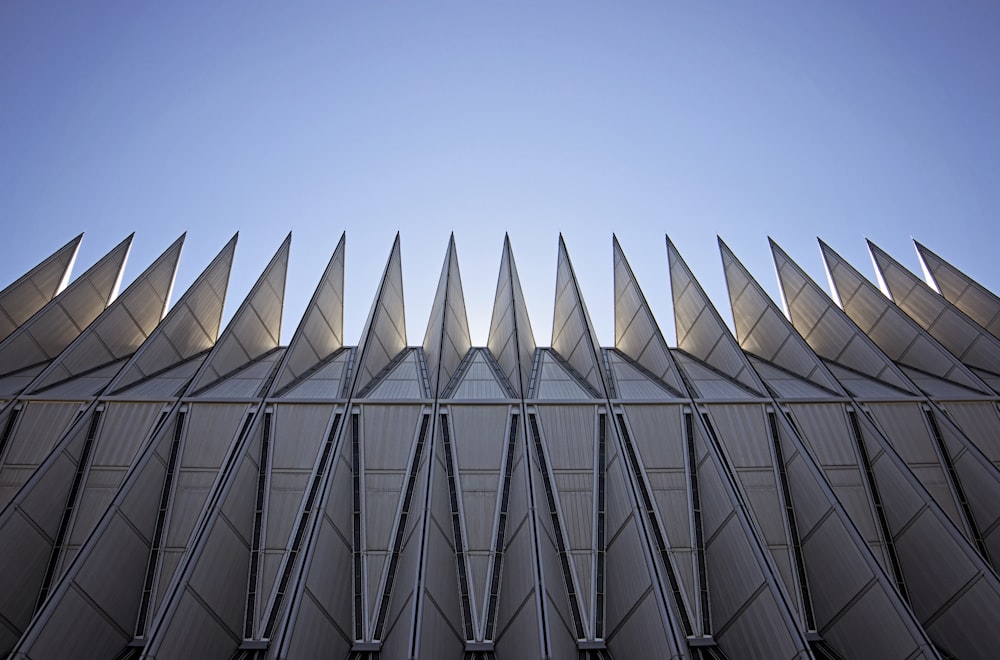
{"points": [[823, 246], [723, 247], [670, 244]]}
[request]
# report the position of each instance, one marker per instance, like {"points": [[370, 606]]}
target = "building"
{"points": [[823, 484]]}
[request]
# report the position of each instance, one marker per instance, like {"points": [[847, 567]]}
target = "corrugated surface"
{"points": [[479, 381], [630, 383], [710, 384], [245, 383], [786, 385], [404, 381], [327, 382], [554, 382]]}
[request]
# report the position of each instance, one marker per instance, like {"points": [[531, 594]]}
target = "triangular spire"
{"points": [[827, 329], [965, 293], [763, 330], [701, 330], [573, 334], [962, 336], [254, 329], [447, 339], [37, 287], [511, 340], [55, 326], [892, 330], [190, 327], [637, 334], [384, 335], [123, 326], [321, 331]]}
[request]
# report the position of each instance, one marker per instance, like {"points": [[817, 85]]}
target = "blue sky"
{"points": [[789, 119]]}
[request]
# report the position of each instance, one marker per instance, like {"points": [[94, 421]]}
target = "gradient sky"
{"points": [[789, 119]]}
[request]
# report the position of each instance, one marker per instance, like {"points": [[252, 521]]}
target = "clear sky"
{"points": [[794, 119]]}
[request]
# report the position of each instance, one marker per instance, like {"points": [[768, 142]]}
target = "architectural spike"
{"points": [[321, 330], [447, 339], [701, 330], [54, 327], [962, 336], [37, 287], [573, 334], [511, 340], [637, 334], [254, 329], [981, 304], [827, 329], [763, 330], [890, 328], [123, 326], [190, 327], [384, 335]]}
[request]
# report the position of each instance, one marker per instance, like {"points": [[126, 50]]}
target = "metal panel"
{"points": [[321, 331], [190, 327], [326, 383], [636, 331], [33, 290], [554, 382]]}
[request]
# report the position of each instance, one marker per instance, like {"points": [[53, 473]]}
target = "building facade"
{"points": [[822, 483]]}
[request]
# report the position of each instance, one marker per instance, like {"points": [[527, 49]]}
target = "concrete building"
{"points": [[822, 484]]}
